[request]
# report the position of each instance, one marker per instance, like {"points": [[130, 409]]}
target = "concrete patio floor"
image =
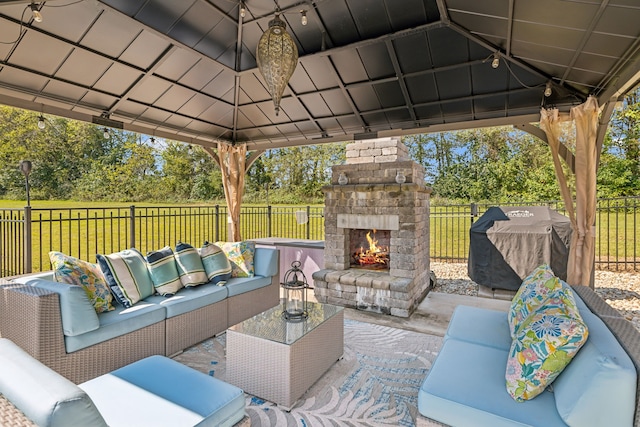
{"points": [[434, 312]]}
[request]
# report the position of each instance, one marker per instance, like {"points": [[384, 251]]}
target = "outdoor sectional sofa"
{"points": [[56, 324], [466, 385]]}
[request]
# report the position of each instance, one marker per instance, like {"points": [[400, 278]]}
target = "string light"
{"points": [[304, 19], [106, 134], [496, 61], [547, 89], [41, 122], [243, 10], [37, 16]]}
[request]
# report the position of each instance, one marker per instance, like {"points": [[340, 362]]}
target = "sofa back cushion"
{"points": [[266, 262], [44, 396], [216, 264], [546, 342], [76, 311], [599, 385], [189, 265], [531, 295], [127, 275], [74, 271], [164, 271]]}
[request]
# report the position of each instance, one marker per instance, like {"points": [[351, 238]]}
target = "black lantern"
{"points": [[295, 293]]}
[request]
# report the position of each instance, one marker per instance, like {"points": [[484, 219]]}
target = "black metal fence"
{"points": [[27, 235]]}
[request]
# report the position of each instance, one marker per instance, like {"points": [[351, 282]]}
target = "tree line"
{"points": [[74, 161]]}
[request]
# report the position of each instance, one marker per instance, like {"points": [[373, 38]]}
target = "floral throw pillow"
{"points": [[546, 342], [240, 255], [74, 271], [533, 293]]}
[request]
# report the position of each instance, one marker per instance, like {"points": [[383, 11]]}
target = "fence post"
{"points": [[132, 225], [308, 222], [217, 233], [269, 218], [28, 246]]}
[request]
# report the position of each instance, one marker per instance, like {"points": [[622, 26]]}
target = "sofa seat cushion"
{"points": [[239, 285], [598, 387], [116, 323], [44, 396], [465, 387], [189, 299], [480, 326], [158, 391]]}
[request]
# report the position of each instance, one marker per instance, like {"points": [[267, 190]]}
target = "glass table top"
{"points": [[271, 324]]}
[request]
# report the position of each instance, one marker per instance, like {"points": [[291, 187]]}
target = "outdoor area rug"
{"points": [[376, 382]]}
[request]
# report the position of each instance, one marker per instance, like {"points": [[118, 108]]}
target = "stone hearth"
{"points": [[372, 199]]}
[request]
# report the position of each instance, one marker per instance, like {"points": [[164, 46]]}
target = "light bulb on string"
{"points": [[37, 16], [106, 134], [243, 9], [41, 123], [547, 90], [496, 61], [304, 19]]}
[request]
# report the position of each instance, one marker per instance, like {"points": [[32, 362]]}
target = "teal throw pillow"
{"points": [[216, 264], [127, 275], [189, 265], [164, 271]]}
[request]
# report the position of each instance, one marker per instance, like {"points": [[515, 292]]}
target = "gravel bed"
{"points": [[621, 290]]}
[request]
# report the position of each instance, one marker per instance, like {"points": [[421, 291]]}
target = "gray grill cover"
{"points": [[508, 243]]}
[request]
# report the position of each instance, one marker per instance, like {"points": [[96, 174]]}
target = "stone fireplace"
{"points": [[379, 195]]}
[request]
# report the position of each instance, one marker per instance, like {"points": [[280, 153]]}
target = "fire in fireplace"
{"points": [[370, 249]]}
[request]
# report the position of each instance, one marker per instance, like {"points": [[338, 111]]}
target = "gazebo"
{"points": [[188, 71]]}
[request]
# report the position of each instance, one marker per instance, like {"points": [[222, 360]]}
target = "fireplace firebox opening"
{"points": [[369, 249]]}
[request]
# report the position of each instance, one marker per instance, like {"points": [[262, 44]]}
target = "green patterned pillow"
{"points": [[216, 264], [240, 255], [163, 271], [533, 293], [74, 271], [127, 276], [189, 265], [546, 342]]}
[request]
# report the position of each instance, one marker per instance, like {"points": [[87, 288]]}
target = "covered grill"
{"points": [[507, 243]]}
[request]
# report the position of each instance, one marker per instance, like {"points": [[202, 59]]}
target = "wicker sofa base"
{"points": [[30, 317]]}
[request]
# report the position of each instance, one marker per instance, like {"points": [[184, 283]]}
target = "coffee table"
{"points": [[279, 360]]}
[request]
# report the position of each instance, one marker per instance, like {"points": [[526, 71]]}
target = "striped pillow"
{"points": [[189, 265], [216, 264], [164, 272], [127, 275]]}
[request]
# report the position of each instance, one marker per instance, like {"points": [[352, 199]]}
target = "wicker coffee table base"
{"points": [[281, 373]]}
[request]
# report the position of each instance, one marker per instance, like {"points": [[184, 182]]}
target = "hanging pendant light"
{"points": [[277, 57]]}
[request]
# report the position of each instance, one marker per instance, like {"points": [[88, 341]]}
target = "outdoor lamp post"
{"points": [[295, 294], [25, 168]]}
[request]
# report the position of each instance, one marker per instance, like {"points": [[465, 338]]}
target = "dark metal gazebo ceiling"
{"points": [[186, 70]]}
